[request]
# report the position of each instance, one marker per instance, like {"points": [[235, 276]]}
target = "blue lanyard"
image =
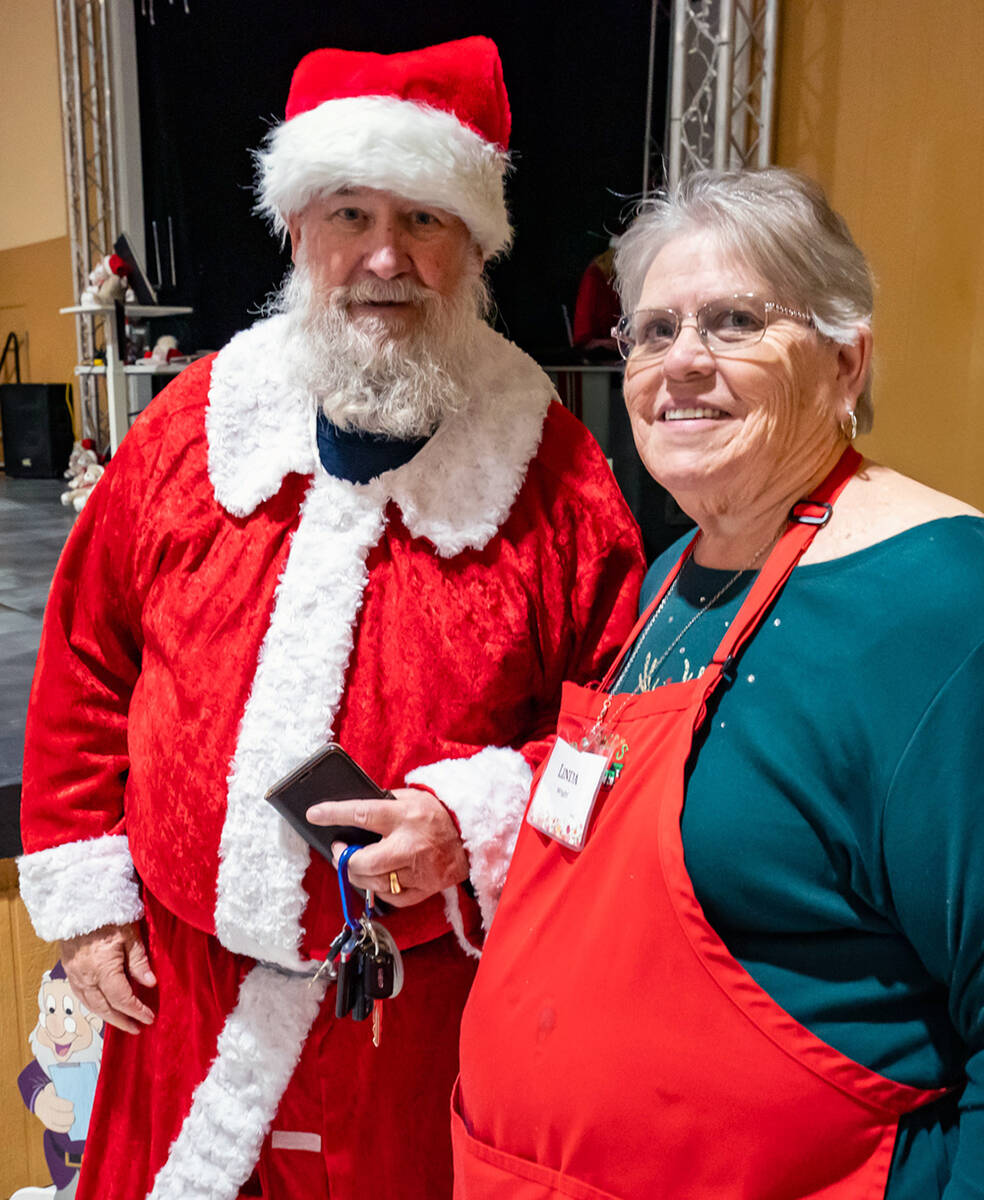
{"points": [[344, 885]]}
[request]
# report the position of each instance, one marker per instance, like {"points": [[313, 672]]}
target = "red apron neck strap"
{"points": [[806, 518]]}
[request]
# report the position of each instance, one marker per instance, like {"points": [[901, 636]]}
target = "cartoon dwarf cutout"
{"points": [[60, 1083]]}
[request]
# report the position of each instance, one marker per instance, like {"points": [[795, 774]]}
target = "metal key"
{"points": [[383, 974], [328, 966]]}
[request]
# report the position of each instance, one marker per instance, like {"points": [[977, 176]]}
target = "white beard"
{"points": [[370, 377]]}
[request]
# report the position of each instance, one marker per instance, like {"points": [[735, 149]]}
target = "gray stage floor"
{"points": [[33, 528]]}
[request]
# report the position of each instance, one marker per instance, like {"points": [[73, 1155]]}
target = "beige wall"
{"points": [[35, 257], [883, 102], [32, 177], [35, 281]]}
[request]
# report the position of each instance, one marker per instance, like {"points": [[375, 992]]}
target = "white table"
{"points": [[114, 370]]}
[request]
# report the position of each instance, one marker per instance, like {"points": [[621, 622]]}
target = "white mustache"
{"points": [[392, 291]]}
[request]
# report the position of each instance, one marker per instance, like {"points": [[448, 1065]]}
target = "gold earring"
{"points": [[849, 426]]}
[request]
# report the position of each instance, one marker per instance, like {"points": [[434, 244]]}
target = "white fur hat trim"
{"points": [[421, 153]]}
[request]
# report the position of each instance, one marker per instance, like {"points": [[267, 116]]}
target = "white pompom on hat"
{"points": [[430, 125]]}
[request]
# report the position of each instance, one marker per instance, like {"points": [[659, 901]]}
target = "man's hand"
{"points": [[420, 843], [100, 966], [52, 1111]]}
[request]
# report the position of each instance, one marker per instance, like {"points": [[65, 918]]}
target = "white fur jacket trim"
{"points": [[455, 492], [80, 886], [488, 794], [234, 1106], [260, 896]]}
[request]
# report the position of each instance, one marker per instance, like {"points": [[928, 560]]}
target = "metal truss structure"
{"points": [[90, 166], [722, 84], [147, 9]]}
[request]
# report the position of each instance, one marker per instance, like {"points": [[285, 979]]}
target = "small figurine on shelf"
{"points": [[83, 473], [107, 282], [165, 348]]}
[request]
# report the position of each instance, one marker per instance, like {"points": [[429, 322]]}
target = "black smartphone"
{"points": [[329, 774]]}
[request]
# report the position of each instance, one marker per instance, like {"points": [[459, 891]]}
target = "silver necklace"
{"points": [[696, 617]]}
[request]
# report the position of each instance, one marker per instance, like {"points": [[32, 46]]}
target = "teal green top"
{"points": [[834, 817]]}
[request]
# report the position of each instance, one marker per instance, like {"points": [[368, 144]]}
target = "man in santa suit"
{"points": [[365, 520]]}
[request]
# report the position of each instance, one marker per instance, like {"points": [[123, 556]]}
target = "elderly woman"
{"points": [[756, 969]]}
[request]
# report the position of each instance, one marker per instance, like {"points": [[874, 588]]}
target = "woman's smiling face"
{"points": [[727, 428]]}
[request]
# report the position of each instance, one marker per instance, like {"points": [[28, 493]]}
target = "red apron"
{"points": [[611, 1045]]}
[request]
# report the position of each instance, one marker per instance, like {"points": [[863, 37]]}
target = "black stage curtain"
{"points": [[213, 78]]}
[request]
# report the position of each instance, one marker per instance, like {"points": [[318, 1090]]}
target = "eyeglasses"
{"points": [[725, 326]]}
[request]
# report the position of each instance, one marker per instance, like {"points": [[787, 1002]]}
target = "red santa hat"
{"points": [[431, 125]]}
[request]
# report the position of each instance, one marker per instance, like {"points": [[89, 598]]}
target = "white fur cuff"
{"points": [[80, 886], [488, 794]]}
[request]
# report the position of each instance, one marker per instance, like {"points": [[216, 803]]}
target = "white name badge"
{"points": [[565, 796]]}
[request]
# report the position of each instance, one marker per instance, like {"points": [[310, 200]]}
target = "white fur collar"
{"points": [[456, 492]]}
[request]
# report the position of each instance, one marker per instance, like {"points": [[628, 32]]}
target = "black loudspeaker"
{"points": [[37, 429]]}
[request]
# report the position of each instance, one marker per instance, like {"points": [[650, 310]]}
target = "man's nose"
{"points": [[387, 257]]}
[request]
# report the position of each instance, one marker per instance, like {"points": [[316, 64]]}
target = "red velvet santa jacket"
{"points": [[223, 607]]}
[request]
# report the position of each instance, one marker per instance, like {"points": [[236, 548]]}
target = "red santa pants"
{"points": [[355, 1121], [382, 1114]]}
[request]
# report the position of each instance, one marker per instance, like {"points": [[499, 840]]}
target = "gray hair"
{"points": [[779, 224]]}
